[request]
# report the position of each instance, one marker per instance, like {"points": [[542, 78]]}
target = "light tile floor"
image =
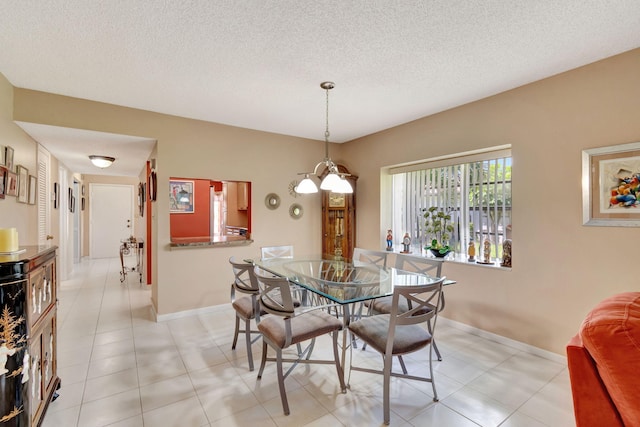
{"points": [[120, 368]]}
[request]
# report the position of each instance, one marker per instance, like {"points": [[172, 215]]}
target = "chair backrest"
{"points": [[245, 281], [275, 293], [421, 300], [268, 252], [378, 258], [429, 266]]}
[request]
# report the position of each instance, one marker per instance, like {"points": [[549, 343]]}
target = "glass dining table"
{"points": [[343, 282]]}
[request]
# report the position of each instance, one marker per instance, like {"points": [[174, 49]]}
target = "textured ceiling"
{"points": [[258, 64]]}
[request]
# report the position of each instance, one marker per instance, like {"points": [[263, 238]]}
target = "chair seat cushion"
{"points": [[244, 307], [611, 335], [303, 327], [383, 305], [374, 331]]}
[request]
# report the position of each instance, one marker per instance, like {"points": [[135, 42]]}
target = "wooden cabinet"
{"points": [[339, 221], [28, 335]]}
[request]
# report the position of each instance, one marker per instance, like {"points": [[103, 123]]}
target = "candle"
{"points": [[8, 240]]}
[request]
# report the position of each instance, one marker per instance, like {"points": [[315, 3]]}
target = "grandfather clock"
{"points": [[339, 221]]}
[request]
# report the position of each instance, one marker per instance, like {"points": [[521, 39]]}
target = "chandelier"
{"points": [[334, 180]]}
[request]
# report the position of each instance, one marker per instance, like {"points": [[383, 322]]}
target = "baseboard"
{"points": [[549, 355], [188, 313]]}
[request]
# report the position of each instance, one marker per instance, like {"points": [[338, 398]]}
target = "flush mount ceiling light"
{"points": [[102, 161], [334, 180]]}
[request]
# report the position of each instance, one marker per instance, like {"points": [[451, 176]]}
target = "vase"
{"points": [[437, 253]]}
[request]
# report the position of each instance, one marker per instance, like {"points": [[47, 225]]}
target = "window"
{"points": [[474, 189]]}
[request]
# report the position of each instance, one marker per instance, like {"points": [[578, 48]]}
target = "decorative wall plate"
{"points": [[272, 201], [295, 211]]}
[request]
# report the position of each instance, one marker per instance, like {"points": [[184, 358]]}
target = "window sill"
{"points": [[462, 259], [457, 259]]}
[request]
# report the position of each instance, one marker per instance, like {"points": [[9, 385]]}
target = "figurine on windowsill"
{"points": [[406, 243], [506, 253], [389, 240], [471, 251], [486, 252]]}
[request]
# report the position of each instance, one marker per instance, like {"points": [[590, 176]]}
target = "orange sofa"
{"points": [[604, 364]]}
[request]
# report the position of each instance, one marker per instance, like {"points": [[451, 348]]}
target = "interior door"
{"points": [[44, 201], [111, 218]]}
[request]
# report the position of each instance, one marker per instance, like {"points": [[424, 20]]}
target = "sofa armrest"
{"points": [[592, 404]]}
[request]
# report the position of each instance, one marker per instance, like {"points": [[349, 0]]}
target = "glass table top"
{"points": [[341, 281]]}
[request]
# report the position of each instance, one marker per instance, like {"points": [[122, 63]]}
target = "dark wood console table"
{"points": [[28, 335]]}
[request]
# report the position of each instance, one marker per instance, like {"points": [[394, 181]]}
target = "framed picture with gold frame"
{"points": [[337, 200]]}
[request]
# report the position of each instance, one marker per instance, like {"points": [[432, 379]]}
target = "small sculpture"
{"points": [[406, 243], [506, 253], [471, 251], [487, 251], [389, 240]]}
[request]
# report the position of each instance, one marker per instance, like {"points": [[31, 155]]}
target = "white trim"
{"points": [[549, 355], [453, 159], [187, 313]]}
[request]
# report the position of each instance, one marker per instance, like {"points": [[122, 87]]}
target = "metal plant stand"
{"points": [[126, 247]]}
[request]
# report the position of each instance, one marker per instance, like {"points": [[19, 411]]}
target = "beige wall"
{"points": [[189, 279], [13, 214], [559, 271], [560, 268]]}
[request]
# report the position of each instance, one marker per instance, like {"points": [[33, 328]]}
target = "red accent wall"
{"points": [[196, 224]]}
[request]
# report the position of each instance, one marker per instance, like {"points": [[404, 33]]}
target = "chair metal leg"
{"points": [[385, 389], [433, 383], [247, 334], [336, 356], [235, 334], [433, 342], [283, 392], [264, 359], [402, 365], [435, 347]]}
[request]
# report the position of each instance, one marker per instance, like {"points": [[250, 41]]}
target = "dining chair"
{"points": [[287, 325], [245, 307], [367, 256], [399, 333], [268, 252], [422, 265]]}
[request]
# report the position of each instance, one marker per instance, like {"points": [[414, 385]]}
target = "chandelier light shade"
{"points": [[334, 181], [102, 161]]}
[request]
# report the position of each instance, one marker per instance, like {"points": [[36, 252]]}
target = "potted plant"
{"points": [[437, 229]]}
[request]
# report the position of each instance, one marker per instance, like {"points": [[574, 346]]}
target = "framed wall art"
{"points": [[71, 200], [33, 189], [2, 155], [153, 186], [142, 196], [11, 184], [56, 195], [3, 181], [8, 157], [611, 186], [23, 184], [181, 196]]}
